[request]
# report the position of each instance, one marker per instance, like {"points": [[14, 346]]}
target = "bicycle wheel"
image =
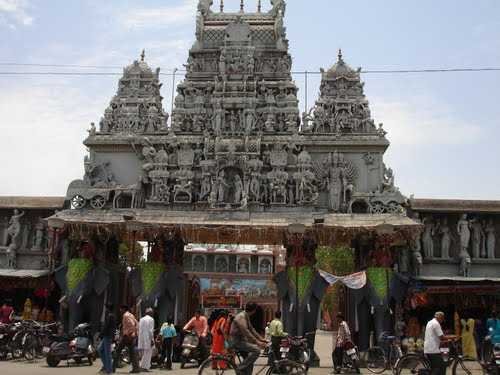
{"points": [[376, 362], [287, 367], [217, 365], [411, 364], [459, 367], [395, 354]]}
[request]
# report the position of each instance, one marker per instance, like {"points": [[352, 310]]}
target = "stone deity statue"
{"points": [[490, 239], [222, 186], [238, 189], [14, 229], [11, 254], [39, 235], [427, 237], [445, 239], [465, 263], [463, 230], [477, 238], [334, 189]]}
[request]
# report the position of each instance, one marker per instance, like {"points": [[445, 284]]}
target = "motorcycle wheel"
{"points": [[52, 361], [355, 366], [29, 353], [183, 362], [90, 358], [3, 354], [17, 353]]}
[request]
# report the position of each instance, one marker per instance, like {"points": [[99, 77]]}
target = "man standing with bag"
{"points": [[129, 336]]}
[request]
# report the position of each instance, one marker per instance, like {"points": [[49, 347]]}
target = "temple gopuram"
{"points": [[236, 162]]}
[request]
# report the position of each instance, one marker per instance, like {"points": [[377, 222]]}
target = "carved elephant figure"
{"points": [[166, 294], [369, 306], [308, 307], [86, 301]]}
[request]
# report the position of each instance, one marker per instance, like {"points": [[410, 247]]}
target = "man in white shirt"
{"points": [[146, 339], [432, 343]]}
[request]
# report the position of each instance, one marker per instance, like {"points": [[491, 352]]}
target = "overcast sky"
{"points": [[444, 127]]}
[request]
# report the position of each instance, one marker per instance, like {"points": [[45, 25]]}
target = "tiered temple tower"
{"points": [[237, 141]]}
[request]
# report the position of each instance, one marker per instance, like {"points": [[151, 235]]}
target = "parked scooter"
{"points": [[78, 347], [191, 349]]}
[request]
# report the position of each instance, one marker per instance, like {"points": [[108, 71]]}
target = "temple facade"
{"points": [[237, 163]]}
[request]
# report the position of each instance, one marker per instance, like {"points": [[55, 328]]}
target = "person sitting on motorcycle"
{"points": [[276, 332], [343, 336], [493, 325], [199, 324], [245, 339]]}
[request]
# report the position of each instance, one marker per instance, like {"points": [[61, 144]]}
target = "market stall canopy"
{"points": [[458, 279], [23, 274], [454, 205], [242, 227]]}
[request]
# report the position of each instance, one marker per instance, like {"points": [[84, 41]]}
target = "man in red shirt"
{"points": [[199, 324], [6, 312]]}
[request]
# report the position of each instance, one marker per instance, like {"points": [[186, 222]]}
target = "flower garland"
{"points": [[305, 277], [78, 268], [150, 273], [380, 278]]}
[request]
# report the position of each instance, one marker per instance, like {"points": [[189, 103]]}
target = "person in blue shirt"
{"points": [[493, 325], [168, 334]]}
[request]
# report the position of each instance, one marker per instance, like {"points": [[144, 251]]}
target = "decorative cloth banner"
{"points": [[354, 281]]}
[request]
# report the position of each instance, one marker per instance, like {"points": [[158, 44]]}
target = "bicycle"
{"points": [[219, 364], [412, 364], [378, 361]]}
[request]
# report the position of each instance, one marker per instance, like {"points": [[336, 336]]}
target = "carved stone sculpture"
{"points": [[39, 236], [445, 239], [12, 256], [427, 237], [463, 230], [477, 239], [465, 263], [490, 239], [14, 229]]}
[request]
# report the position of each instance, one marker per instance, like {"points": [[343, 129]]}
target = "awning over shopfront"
{"points": [[23, 274], [242, 226], [23, 279]]}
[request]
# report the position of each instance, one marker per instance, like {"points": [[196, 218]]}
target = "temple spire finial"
{"points": [[259, 6], [143, 55], [340, 54], [222, 6], [242, 6]]}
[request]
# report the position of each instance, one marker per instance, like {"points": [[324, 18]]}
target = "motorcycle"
{"points": [[350, 359], [78, 347], [191, 349], [296, 349], [491, 365]]}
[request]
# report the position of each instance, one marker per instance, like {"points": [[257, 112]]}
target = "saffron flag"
{"points": [[354, 281]]}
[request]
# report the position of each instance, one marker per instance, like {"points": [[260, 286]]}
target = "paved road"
{"points": [[323, 348]]}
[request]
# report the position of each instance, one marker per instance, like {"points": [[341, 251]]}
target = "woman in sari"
{"points": [[219, 337]]}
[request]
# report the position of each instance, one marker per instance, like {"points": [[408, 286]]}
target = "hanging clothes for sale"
{"points": [[468, 342], [457, 324], [414, 328]]}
